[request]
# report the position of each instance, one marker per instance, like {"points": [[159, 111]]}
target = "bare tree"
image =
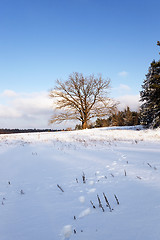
{"points": [[82, 98]]}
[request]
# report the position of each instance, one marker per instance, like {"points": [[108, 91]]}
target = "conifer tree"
{"points": [[128, 117], [150, 97], [120, 118]]}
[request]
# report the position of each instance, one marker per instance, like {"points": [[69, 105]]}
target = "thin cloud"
{"points": [[23, 110], [124, 87], [9, 93], [131, 101], [123, 74], [8, 112]]}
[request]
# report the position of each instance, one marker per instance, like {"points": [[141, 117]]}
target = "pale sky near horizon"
{"points": [[41, 41]]}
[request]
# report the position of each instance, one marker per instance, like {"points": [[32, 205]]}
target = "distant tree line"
{"points": [[9, 131], [120, 118]]}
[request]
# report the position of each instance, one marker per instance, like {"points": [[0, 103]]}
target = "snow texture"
{"points": [[82, 199], [67, 231], [85, 212], [119, 199]]}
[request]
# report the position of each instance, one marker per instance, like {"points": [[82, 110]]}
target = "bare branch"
{"points": [[82, 98]]}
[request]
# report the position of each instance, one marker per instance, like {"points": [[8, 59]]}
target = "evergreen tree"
{"points": [[150, 97], [101, 122], [136, 118], [128, 117], [120, 118]]}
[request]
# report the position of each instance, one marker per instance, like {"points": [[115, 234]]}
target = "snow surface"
{"points": [[121, 163]]}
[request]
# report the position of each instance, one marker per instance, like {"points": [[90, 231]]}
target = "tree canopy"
{"points": [[82, 98]]}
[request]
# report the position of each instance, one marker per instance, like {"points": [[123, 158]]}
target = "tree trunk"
{"points": [[84, 124]]}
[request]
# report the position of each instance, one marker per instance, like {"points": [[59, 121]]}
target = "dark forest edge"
{"points": [[10, 131]]}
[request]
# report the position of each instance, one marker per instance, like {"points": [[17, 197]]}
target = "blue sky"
{"points": [[41, 41]]}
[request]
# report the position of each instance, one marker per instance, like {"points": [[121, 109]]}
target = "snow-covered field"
{"points": [[50, 184]]}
